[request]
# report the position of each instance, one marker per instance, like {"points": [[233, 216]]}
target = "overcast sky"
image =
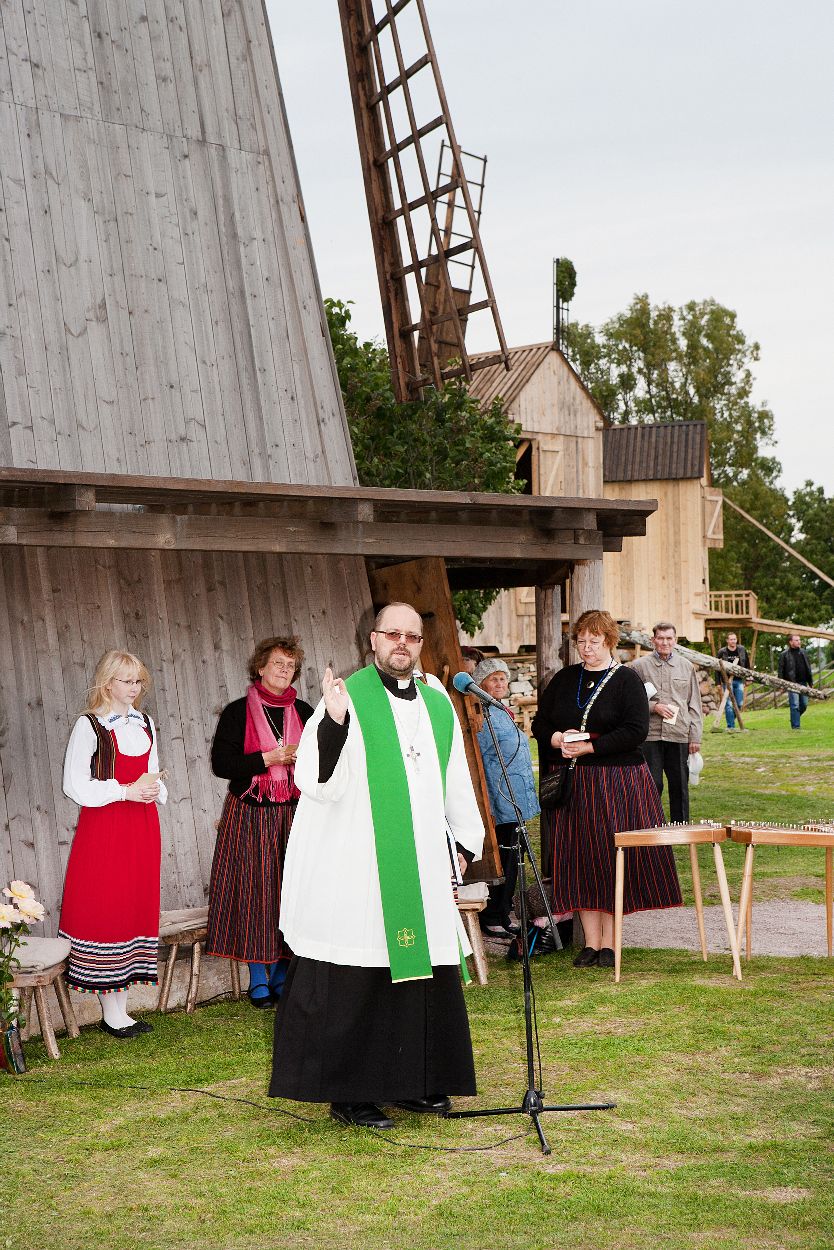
{"points": [[685, 150]]}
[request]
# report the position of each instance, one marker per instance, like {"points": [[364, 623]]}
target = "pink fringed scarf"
{"points": [[276, 784]]}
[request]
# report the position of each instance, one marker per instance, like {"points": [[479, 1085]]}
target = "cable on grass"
{"points": [[248, 1102]]}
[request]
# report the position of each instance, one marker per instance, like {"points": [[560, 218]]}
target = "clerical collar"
{"points": [[396, 686]]}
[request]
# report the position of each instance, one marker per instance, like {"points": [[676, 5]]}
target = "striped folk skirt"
{"points": [[245, 889], [604, 801], [110, 908]]}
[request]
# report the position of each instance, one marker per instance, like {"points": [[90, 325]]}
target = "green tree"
{"points": [[444, 441], [813, 512], [659, 363]]}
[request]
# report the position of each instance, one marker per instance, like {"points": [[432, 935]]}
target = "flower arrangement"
{"points": [[16, 915]]}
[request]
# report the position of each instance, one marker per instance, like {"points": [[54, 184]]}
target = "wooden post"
{"points": [[585, 592], [548, 633]]}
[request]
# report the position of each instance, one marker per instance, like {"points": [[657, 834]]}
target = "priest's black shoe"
{"points": [[129, 1030], [438, 1104], [606, 957], [360, 1114], [587, 958]]}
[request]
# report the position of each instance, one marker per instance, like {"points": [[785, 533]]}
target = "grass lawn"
{"points": [[721, 1139]]}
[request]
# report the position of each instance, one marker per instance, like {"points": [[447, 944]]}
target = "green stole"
{"points": [[396, 853]]}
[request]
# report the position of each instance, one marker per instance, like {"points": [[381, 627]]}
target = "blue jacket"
{"points": [[516, 751]]}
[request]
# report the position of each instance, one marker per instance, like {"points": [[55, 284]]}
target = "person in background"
{"points": [[254, 749], [795, 666], [493, 676], [110, 908], [676, 722], [612, 789], [471, 659], [733, 653]]}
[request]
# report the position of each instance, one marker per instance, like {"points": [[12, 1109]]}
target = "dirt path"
{"points": [[779, 928]]}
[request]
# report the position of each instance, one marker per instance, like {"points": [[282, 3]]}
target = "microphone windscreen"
{"points": [[462, 682]]}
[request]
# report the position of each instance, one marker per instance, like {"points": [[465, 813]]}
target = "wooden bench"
{"points": [[43, 962], [187, 927], [751, 836], [472, 899], [692, 836]]}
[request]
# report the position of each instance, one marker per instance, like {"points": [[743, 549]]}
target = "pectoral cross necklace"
{"points": [[412, 753]]}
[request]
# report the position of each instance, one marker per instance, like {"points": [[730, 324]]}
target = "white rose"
{"points": [[30, 909], [18, 889], [8, 915]]}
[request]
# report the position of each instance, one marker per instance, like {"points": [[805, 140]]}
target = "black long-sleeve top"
{"points": [[618, 720], [228, 758]]}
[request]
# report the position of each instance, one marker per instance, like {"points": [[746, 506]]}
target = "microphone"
{"points": [[464, 684]]}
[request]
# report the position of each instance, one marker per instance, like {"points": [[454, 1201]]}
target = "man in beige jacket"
{"points": [[676, 722]]}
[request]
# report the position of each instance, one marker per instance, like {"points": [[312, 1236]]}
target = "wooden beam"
{"points": [[780, 542], [548, 633], [162, 531]]}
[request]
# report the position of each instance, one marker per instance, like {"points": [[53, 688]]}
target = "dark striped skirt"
{"points": [[245, 889], [604, 801]]}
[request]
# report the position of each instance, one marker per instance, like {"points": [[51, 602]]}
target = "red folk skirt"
{"points": [[604, 801], [110, 909], [245, 889]]}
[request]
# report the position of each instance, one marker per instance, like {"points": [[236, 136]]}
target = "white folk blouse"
{"points": [[79, 783]]}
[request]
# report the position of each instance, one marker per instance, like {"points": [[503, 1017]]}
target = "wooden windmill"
{"points": [[394, 81], [176, 474]]}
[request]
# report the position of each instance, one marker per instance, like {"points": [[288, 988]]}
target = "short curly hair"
{"points": [[288, 644], [596, 621]]}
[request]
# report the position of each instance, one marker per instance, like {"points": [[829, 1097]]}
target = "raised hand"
{"points": [[335, 696]]}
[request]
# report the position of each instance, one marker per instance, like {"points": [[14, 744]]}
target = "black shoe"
{"points": [[142, 1026], [587, 958], [129, 1030], [606, 957], [495, 929], [360, 1115], [439, 1104], [260, 1000]]}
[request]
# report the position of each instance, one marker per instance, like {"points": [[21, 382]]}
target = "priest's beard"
{"points": [[398, 666]]}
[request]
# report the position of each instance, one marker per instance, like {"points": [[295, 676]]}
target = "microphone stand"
{"points": [[532, 1103]]}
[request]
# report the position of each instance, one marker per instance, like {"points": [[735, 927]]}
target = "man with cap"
{"points": [[493, 676]]}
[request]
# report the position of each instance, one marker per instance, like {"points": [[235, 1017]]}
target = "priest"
{"points": [[372, 1013]]}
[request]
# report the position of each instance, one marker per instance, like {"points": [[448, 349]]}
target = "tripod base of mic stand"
{"points": [[532, 1105]]}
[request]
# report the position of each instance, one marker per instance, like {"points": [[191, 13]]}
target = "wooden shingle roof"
{"points": [[647, 453], [494, 380]]}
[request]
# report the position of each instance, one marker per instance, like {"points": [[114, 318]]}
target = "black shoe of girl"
{"points": [[123, 1034], [587, 958]]}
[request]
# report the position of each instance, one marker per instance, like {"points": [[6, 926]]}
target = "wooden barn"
{"points": [[567, 445], [176, 475]]}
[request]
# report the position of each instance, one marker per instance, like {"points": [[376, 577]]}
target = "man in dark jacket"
{"points": [[794, 665], [733, 653]]}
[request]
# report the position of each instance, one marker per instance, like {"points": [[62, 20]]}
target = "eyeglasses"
{"points": [[394, 635]]}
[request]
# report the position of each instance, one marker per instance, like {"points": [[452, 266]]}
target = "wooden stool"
{"points": [[676, 835], [752, 836], [38, 969], [472, 899], [187, 927]]}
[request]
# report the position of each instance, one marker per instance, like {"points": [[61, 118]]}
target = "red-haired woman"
{"points": [[612, 788], [254, 749], [110, 909]]}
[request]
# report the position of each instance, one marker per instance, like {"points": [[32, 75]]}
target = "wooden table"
{"points": [[692, 836], [751, 836]]}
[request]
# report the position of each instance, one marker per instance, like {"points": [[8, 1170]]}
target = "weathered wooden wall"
{"points": [[159, 308], [192, 618], [664, 576]]}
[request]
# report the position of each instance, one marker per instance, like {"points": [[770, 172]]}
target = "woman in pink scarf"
{"points": [[254, 748]]}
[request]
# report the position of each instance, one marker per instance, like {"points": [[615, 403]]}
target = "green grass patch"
{"points": [[722, 1138]]}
